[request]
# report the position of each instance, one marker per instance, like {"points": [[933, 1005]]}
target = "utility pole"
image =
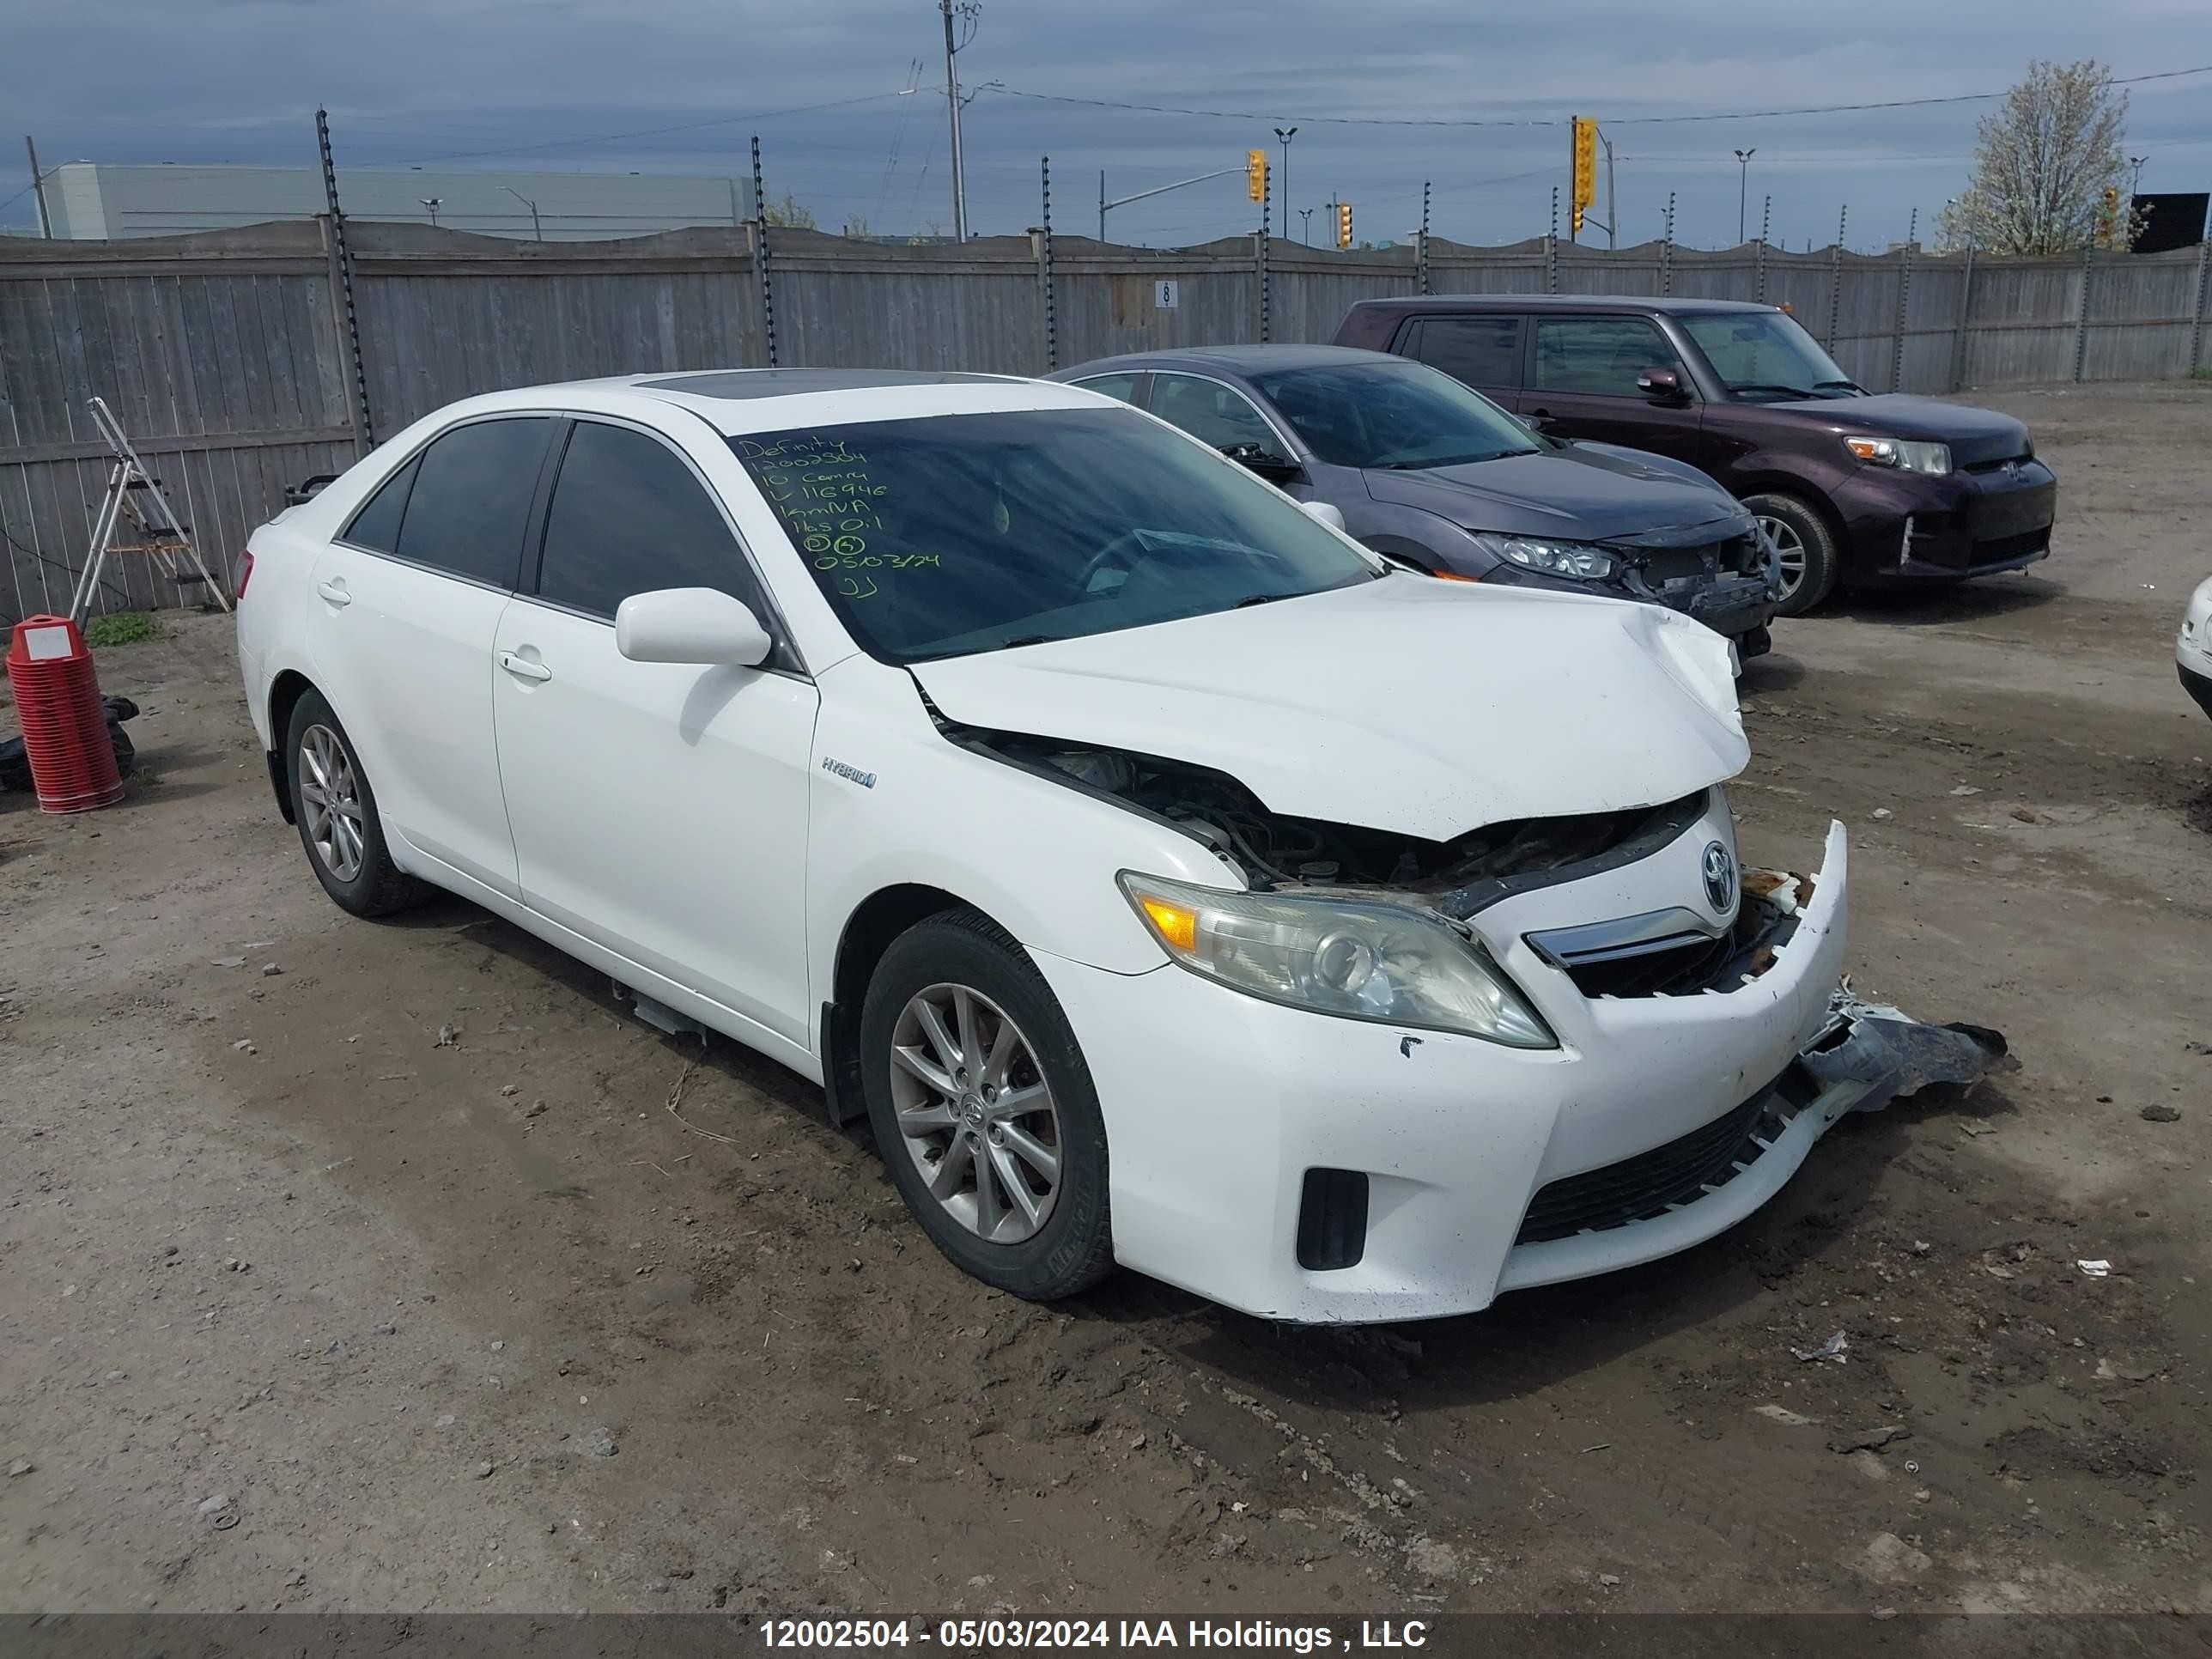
{"points": [[1612, 201], [1743, 187], [38, 186], [967, 10], [1283, 136]]}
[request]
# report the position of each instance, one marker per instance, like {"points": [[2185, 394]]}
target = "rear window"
{"points": [[376, 526], [1479, 350]]}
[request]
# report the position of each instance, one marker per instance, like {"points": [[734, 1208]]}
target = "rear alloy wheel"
{"points": [[984, 1109], [1803, 546], [335, 811]]}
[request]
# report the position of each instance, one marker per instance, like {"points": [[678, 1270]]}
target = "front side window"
{"points": [[953, 534], [1211, 412], [1393, 415], [627, 516], [1479, 350], [470, 508], [1764, 356], [1597, 354]]}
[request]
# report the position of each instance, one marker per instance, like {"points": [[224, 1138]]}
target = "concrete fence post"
{"points": [[1965, 319]]}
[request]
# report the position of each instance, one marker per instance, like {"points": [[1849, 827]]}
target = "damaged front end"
{"points": [[1731, 581]]}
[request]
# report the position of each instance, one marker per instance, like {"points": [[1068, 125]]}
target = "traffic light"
{"points": [[1585, 167], [2108, 217], [1255, 174], [1344, 224]]}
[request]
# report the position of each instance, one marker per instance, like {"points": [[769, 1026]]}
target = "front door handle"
{"points": [[335, 593], [523, 668], [1535, 415]]}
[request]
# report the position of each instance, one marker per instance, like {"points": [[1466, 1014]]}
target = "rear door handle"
{"points": [[523, 668], [335, 593]]}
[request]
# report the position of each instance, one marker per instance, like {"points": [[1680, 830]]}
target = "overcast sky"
{"points": [[507, 84]]}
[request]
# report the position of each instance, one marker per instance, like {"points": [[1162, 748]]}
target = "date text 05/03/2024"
{"points": [[992, 1634]]}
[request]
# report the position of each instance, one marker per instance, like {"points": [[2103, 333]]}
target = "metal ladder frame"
{"points": [[128, 471]]}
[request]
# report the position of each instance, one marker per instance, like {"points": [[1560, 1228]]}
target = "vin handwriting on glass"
{"points": [[832, 507]]}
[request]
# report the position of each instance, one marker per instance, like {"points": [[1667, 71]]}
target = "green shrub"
{"points": [[121, 627]]}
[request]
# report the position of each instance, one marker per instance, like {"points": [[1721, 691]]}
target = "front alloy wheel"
{"points": [[1790, 555], [976, 1113]]}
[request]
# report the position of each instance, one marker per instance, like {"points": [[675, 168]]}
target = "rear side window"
{"points": [[628, 517], [1598, 354], [376, 526], [470, 508], [1479, 350], [1123, 386]]}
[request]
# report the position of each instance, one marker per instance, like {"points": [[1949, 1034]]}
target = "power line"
{"points": [[1553, 121], [653, 132]]}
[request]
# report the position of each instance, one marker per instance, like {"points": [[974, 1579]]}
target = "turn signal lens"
{"points": [[1176, 927], [1453, 576]]}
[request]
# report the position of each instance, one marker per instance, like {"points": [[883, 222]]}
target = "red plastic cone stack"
{"points": [[65, 725]]}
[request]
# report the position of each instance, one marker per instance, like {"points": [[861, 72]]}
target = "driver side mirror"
{"points": [[1661, 386], [1264, 462], [701, 625]]}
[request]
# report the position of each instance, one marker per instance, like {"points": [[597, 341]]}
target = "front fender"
{"points": [[895, 802]]}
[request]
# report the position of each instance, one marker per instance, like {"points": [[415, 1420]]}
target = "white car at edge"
{"points": [[2192, 646], [1169, 881]]}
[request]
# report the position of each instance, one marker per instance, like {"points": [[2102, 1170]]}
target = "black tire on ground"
{"points": [[379, 886], [1074, 1247], [1822, 563]]}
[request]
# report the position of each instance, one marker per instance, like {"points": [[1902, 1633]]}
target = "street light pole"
{"points": [[432, 203], [532, 205], [1283, 136], [38, 186], [1742, 188], [1305, 226], [967, 10]]}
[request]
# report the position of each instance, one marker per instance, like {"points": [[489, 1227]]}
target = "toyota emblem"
{"points": [[1720, 876]]}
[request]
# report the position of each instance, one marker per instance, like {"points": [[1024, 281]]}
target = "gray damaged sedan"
{"points": [[1433, 474]]}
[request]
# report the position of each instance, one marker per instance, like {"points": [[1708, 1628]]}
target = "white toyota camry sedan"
{"points": [[1169, 881]]}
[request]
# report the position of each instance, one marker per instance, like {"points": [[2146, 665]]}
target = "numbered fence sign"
{"points": [[1164, 297]]}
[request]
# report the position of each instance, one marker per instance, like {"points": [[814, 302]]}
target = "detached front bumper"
{"points": [[1229, 1118]]}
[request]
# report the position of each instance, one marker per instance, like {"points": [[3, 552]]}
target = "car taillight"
{"points": [[245, 572]]}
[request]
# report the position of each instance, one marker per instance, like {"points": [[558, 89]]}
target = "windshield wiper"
{"points": [[1263, 599], [1847, 386], [1763, 386]]}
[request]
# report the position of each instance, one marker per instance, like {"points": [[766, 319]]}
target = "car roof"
{"points": [[734, 401], [1669, 304], [1232, 359]]}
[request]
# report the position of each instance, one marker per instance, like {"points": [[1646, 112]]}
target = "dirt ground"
{"points": [[264, 1240]]}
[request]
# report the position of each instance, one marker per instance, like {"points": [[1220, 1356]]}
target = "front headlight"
{"points": [[1357, 960], [1577, 560], [1907, 454]]}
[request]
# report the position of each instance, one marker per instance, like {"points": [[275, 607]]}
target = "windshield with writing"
{"points": [[1765, 355], [958, 534], [1393, 415]]}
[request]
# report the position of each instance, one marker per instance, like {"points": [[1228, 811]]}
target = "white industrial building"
{"points": [[95, 201]]}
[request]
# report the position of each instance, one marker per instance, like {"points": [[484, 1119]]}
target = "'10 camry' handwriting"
{"points": [[821, 488]]}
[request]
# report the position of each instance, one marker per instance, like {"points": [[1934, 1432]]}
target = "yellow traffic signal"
{"points": [[1344, 224], [1255, 174], [1585, 165], [1574, 221], [2108, 217]]}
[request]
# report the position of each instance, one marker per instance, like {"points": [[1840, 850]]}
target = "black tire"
{"points": [[1072, 1246], [1822, 563], [378, 886]]}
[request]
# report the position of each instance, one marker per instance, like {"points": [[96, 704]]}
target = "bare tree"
{"points": [[2042, 163]]}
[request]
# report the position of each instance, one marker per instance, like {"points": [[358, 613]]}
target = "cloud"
{"points": [[549, 83]]}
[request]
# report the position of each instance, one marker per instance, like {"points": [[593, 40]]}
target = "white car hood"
{"points": [[1423, 707]]}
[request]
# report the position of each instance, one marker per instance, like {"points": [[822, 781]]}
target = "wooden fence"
{"points": [[229, 358]]}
